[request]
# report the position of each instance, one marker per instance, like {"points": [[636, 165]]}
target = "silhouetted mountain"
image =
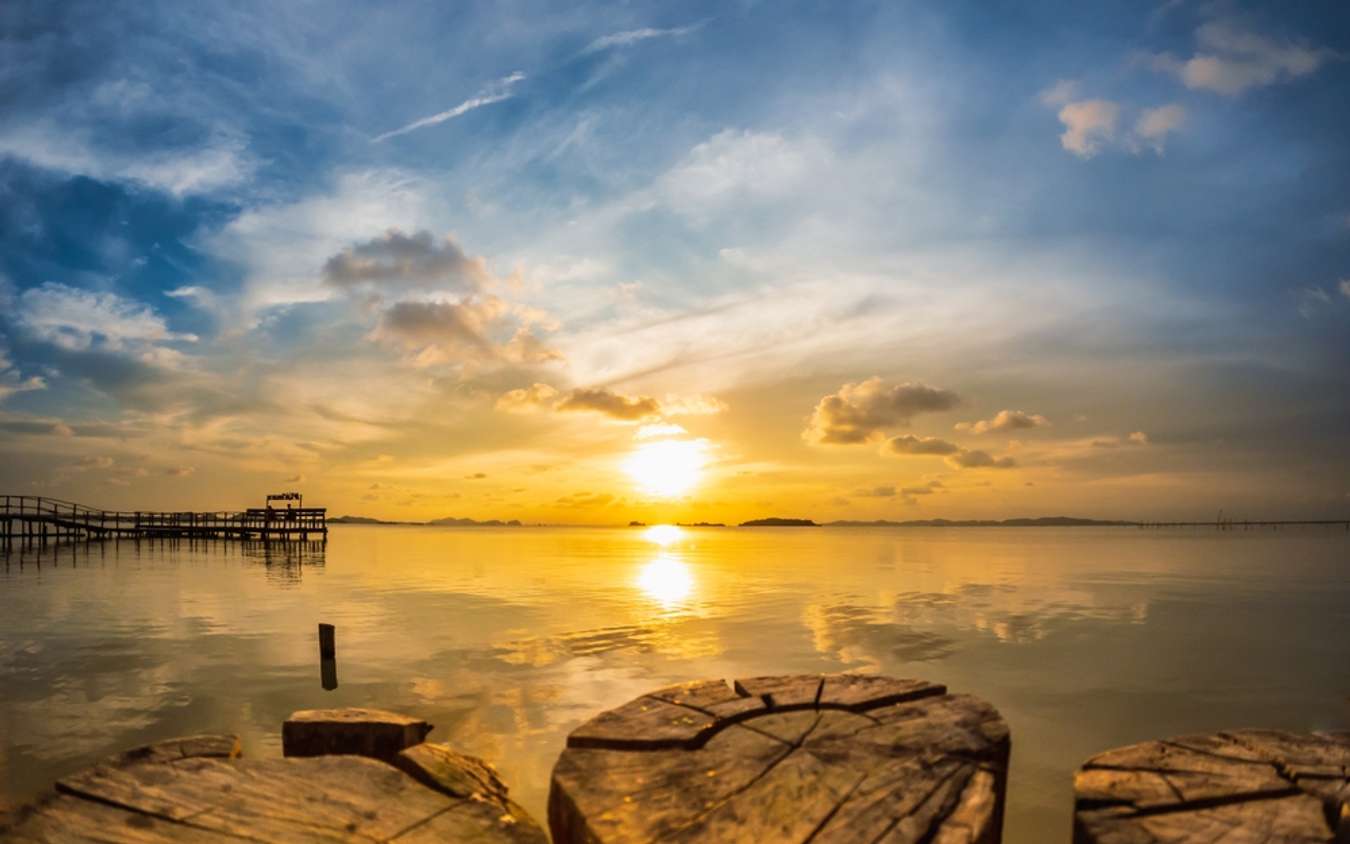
{"points": [[700, 524], [451, 521], [775, 521], [365, 520], [1042, 521]]}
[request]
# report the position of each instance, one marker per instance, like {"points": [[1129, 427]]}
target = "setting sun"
{"points": [[667, 468]]}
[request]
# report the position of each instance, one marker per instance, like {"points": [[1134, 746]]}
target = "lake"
{"points": [[506, 639]]}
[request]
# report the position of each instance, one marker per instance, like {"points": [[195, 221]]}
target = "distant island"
{"points": [[448, 521], [700, 524], [775, 521], [1043, 521]]}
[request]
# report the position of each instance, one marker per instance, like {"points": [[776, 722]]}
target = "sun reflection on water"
{"points": [[663, 535], [666, 580]]}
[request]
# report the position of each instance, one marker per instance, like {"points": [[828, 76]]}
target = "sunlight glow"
{"points": [[666, 580], [667, 468], [663, 535]]}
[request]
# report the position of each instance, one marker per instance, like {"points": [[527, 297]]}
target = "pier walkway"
{"points": [[28, 518]]}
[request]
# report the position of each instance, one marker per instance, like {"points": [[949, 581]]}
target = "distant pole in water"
{"points": [[327, 657]]}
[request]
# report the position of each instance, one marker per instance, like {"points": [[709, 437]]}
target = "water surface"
{"points": [[1085, 638]]}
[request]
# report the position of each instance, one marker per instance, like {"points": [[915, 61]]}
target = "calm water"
{"points": [[507, 639]]}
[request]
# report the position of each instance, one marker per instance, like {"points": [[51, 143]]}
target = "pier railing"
{"points": [[40, 517]]}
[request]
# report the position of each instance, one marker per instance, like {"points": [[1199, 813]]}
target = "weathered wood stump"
{"points": [[799, 758], [1243, 785], [361, 732], [199, 790]]}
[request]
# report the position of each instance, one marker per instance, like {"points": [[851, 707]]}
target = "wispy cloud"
{"points": [[493, 93], [633, 36]]}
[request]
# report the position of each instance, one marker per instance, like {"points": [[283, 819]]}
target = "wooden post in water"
{"points": [[327, 657]]}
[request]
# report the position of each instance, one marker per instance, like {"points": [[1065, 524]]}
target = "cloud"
{"points": [[859, 412], [180, 471], [1311, 300], [1155, 124], [1344, 287], [294, 479], [398, 259], [633, 36], [77, 319], [528, 399], [583, 500], [1091, 126], [614, 405], [696, 404], [887, 491], [611, 404], [735, 168], [956, 456], [1230, 61], [1059, 94], [457, 332], [910, 444], [1088, 126], [220, 162], [926, 489], [1134, 438], [976, 459], [495, 92], [12, 381], [1004, 420]]}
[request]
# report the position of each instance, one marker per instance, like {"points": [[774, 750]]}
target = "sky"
{"points": [[587, 263]]}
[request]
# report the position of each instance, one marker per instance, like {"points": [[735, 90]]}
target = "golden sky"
{"points": [[848, 261]]}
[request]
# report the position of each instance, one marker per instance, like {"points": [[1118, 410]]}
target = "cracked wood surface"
{"points": [[793, 759], [1238, 786], [198, 790]]}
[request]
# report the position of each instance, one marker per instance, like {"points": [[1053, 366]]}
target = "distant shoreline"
{"points": [[780, 522]]}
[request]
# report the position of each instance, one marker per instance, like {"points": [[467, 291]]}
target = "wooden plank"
{"points": [[1239, 785], [884, 760], [359, 731], [157, 798]]}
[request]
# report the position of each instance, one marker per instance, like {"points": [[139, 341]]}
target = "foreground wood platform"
{"points": [[1237, 786], [786, 759], [198, 789]]}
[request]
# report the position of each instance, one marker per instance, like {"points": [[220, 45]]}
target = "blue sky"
{"points": [[248, 244]]}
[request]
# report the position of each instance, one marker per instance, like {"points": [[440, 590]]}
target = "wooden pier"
{"points": [[30, 519]]}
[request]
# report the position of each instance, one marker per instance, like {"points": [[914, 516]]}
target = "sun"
{"points": [[667, 468]]}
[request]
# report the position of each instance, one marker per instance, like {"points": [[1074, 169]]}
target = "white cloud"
{"points": [[493, 93], [78, 319], [633, 36], [736, 167], [1155, 124], [1344, 287], [1088, 126], [283, 246], [221, 162], [1231, 60]]}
